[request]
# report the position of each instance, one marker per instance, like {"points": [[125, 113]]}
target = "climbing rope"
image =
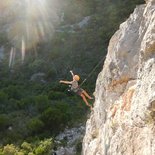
{"points": [[92, 71]]}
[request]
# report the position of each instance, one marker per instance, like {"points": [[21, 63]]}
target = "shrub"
{"points": [[9, 150], [55, 95], [4, 121], [7, 105], [31, 153], [56, 87], [40, 148], [44, 147], [13, 104], [41, 102], [78, 147], [1, 152], [13, 136], [20, 153], [26, 146], [35, 125], [13, 92], [3, 97], [57, 116], [36, 65], [52, 118], [26, 102], [52, 73]]}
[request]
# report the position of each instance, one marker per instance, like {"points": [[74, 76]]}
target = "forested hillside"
{"points": [[39, 45]]}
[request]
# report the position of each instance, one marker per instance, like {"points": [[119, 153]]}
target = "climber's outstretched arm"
{"points": [[65, 82], [72, 73]]}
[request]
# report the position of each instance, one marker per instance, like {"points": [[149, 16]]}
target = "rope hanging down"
{"points": [[92, 71]]}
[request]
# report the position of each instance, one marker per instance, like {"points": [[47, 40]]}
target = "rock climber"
{"points": [[76, 88]]}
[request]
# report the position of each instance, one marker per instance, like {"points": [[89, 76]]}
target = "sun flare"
{"points": [[34, 25], [32, 22]]}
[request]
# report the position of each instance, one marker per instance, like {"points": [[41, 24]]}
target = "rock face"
{"points": [[123, 119], [71, 139]]}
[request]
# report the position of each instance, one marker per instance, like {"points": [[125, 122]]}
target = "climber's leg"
{"points": [[86, 94], [85, 100]]}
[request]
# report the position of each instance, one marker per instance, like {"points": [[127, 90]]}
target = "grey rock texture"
{"points": [[123, 119], [71, 137]]}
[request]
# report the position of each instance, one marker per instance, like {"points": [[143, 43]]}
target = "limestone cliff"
{"points": [[123, 119]]}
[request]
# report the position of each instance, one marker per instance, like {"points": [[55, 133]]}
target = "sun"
{"points": [[32, 24]]}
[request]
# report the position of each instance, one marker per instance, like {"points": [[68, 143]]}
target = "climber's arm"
{"points": [[72, 73], [65, 82]]}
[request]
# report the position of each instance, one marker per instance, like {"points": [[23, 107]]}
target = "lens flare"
{"points": [[12, 56], [31, 22], [23, 49]]}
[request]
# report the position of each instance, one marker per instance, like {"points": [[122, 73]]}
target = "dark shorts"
{"points": [[78, 91]]}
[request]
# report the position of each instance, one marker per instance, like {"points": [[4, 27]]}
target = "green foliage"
{"points": [[4, 121], [41, 102], [31, 153], [36, 65], [57, 117], [20, 153], [53, 119], [56, 87], [78, 147], [3, 98], [26, 102], [9, 150], [3, 101], [55, 95], [26, 146], [13, 92], [44, 147], [1, 152], [51, 73], [35, 125]]}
